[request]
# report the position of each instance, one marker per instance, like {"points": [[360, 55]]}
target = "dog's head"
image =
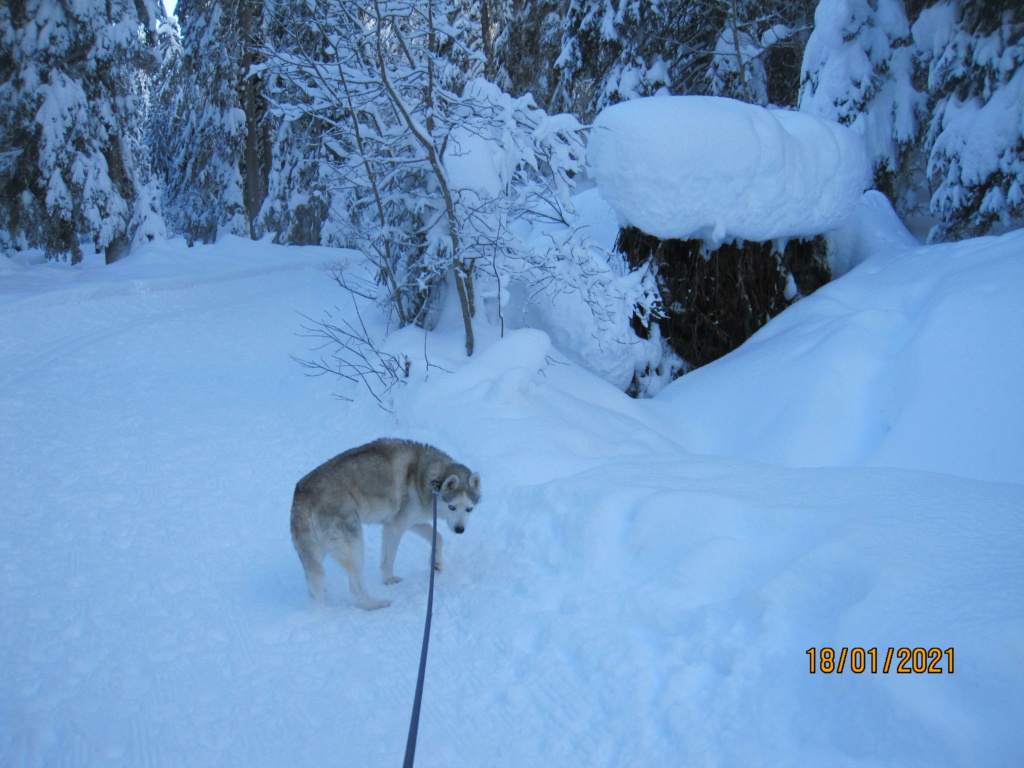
{"points": [[460, 493]]}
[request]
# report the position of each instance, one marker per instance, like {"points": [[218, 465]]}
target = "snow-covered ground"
{"points": [[639, 587]]}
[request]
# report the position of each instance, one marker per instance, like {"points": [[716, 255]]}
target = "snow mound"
{"points": [[873, 227], [718, 169]]}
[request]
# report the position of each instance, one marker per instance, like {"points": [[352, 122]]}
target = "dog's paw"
{"points": [[393, 580], [437, 566], [374, 605]]}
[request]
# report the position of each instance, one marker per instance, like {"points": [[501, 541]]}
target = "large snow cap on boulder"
{"points": [[719, 169]]}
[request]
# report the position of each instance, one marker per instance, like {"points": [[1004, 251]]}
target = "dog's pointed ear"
{"points": [[451, 484], [474, 482]]}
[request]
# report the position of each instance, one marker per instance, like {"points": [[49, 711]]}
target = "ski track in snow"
{"points": [[617, 600]]}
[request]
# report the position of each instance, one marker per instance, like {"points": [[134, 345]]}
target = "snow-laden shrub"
{"points": [[738, 67], [375, 92], [516, 169], [439, 178]]}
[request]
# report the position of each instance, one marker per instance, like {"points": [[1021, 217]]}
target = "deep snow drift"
{"points": [[639, 587], [906, 362]]}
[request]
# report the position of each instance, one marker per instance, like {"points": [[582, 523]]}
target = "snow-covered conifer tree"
{"points": [[858, 70], [215, 158], [73, 102], [939, 101], [528, 40], [613, 50], [297, 205], [297, 209], [607, 54], [973, 54]]}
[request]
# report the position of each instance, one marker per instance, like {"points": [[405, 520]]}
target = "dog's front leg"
{"points": [[426, 530], [392, 535]]}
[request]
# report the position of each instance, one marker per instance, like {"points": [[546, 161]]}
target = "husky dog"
{"points": [[388, 482]]}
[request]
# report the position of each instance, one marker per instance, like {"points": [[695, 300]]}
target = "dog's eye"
{"points": [[451, 507], [469, 509]]}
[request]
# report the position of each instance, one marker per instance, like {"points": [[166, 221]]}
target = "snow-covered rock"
{"points": [[720, 169]]}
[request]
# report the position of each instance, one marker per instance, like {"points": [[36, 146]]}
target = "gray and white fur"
{"points": [[387, 482]]}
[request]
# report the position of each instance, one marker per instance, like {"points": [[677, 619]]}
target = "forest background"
{"points": [[342, 123]]}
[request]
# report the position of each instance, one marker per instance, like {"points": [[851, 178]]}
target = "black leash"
{"points": [[414, 724]]}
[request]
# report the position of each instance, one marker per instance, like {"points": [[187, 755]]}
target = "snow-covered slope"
{"points": [[915, 359], [639, 587]]}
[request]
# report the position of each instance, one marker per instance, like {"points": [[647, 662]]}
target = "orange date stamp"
{"points": [[903, 661]]}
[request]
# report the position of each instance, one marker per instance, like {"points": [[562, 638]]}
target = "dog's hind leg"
{"points": [[345, 544]]}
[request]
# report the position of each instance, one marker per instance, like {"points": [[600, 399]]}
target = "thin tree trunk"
{"points": [[463, 274], [253, 187], [488, 43]]}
